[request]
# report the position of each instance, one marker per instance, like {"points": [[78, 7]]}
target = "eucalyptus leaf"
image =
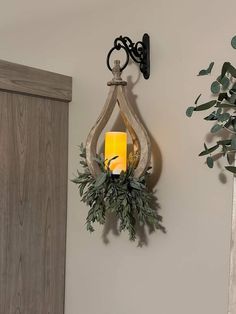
{"points": [[216, 128], [205, 106], [211, 117], [206, 71], [222, 96], [189, 111], [202, 72], [215, 87], [233, 42], [224, 116], [210, 162], [228, 123], [225, 82], [225, 69], [232, 70], [224, 142], [208, 150], [225, 105], [231, 169]]}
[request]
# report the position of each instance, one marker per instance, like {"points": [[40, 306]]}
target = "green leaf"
{"points": [[100, 179], [206, 71], [190, 111], [210, 162], [232, 70], [231, 168], [225, 82], [208, 150], [126, 196], [215, 87], [216, 128], [224, 116], [211, 116], [225, 69], [202, 72], [222, 96], [224, 142], [233, 42], [224, 105], [205, 106]]}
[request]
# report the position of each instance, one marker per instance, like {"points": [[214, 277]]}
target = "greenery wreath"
{"points": [[128, 197]]}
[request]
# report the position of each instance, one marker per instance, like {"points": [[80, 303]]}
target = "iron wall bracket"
{"points": [[139, 53]]}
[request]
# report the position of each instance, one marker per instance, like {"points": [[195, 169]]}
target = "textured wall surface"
{"points": [[183, 271]]}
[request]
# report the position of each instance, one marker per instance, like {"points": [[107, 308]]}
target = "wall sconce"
{"points": [[140, 53], [117, 183]]}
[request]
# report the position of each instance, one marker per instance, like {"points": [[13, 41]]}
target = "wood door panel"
{"points": [[27, 80], [33, 200]]}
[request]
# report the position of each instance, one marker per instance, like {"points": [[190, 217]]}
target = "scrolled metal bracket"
{"points": [[139, 53]]}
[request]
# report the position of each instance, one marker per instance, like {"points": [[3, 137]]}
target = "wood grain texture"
{"points": [[27, 80], [92, 139], [33, 200], [135, 126]]}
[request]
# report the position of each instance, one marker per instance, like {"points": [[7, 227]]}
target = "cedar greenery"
{"points": [[125, 195], [224, 112]]}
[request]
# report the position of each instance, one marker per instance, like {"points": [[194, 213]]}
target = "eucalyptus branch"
{"points": [[126, 196], [224, 90]]}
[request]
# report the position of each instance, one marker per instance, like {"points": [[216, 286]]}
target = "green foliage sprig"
{"points": [[125, 195], [224, 112]]}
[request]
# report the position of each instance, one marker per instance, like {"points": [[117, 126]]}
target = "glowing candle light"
{"points": [[116, 145]]}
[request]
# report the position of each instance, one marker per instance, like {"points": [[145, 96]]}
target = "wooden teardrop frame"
{"points": [[138, 133]]}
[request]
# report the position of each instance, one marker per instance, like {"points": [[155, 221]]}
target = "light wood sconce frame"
{"points": [[140, 53]]}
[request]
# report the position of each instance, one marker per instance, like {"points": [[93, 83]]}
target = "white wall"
{"points": [[186, 270]]}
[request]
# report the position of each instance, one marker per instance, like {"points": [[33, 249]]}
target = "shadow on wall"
{"points": [[111, 225]]}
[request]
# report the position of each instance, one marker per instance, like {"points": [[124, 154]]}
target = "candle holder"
{"points": [[100, 186], [138, 134]]}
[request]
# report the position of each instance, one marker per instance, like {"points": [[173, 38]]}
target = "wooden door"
{"points": [[33, 189]]}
